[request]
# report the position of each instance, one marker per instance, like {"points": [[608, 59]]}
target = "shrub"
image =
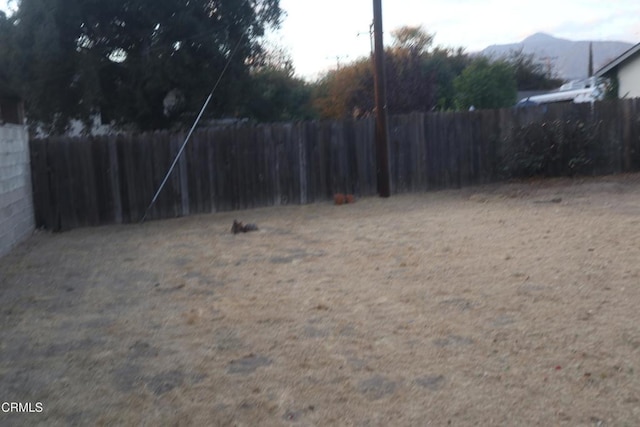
{"points": [[556, 148]]}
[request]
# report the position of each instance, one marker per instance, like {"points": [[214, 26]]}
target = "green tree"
{"points": [[5, 55], [445, 64], [485, 84], [120, 58], [279, 96], [275, 93]]}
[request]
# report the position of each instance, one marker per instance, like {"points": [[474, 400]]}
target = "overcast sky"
{"points": [[319, 34]]}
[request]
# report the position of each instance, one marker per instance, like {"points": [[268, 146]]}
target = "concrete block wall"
{"points": [[16, 202]]}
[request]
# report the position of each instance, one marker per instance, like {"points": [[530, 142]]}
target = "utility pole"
{"points": [[590, 70], [382, 134]]}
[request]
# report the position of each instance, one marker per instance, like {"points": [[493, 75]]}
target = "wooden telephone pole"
{"points": [[382, 134], [590, 71]]}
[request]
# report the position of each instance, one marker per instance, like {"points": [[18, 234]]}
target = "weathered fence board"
{"points": [[112, 179]]}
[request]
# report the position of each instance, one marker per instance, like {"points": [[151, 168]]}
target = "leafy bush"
{"points": [[556, 148], [485, 84]]}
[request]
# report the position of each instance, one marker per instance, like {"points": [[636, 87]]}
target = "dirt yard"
{"points": [[511, 304]]}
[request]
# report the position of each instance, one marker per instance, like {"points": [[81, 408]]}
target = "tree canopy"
{"points": [[485, 84], [151, 64], [5, 55], [275, 93], [120, 58], [412, 40], [419, 77]]}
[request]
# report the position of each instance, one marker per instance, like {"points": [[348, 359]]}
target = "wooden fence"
{"points": [[102, 180]]}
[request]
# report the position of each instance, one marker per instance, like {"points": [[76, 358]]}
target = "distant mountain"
{"points": [[566, 59]]}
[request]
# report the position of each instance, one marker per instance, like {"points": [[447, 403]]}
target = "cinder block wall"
{"points": [[16, 202]]}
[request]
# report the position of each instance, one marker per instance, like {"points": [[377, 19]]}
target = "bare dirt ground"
{"points": [[512, 304]]}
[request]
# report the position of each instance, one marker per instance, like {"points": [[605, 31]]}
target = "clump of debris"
{"points": [[239, 227]]}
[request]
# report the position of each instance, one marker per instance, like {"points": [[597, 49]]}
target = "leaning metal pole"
{"points": [[382, 135]]}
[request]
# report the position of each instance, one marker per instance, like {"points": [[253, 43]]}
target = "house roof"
{"points": [[618, 61]]}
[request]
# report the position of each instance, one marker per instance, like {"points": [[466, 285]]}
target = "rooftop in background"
{"points": [[619, 60]]}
